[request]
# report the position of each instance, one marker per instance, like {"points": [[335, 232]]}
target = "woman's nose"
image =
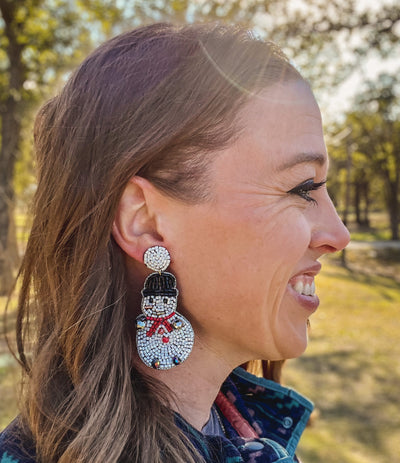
{"points": [[329, 232]]}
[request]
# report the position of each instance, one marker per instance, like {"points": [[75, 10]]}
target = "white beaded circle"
{"points": [[157, 258]]}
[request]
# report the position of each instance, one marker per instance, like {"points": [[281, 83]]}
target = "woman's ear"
{"points": [[135, 223]]}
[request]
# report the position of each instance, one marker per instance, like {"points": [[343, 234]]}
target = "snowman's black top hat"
{"points": [[158, 284]]}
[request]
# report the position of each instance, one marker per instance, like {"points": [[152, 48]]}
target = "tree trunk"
{"points": [[366, 220], [10, 136], [357, 199], [349, 160], [6, 266], [394, 209], [13, 245]]}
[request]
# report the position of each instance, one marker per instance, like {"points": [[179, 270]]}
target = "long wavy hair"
{"points": [[157, 102]]}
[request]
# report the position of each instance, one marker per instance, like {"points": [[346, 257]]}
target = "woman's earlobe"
{"points": [[135, 226]]}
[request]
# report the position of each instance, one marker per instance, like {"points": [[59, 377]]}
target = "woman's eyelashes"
{"points": [[304, 189]]}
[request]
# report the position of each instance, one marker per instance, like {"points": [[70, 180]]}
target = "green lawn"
{"points": [[351, 371], [9, 371]]}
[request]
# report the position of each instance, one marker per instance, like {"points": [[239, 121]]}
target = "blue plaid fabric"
{"points": [[278, 414]]}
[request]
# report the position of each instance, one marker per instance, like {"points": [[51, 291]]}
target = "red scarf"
{"points": [[160, 321]]}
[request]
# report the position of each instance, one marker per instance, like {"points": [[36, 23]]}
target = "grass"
{"points": [[9, 371], [351, 370], [370, 235]]}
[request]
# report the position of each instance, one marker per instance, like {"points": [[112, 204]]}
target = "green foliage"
{"points": [[40, 40], [327, 42], [372, 142], [51, 36]]}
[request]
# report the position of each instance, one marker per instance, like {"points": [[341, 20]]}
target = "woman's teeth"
{"points": [[305, 288]]}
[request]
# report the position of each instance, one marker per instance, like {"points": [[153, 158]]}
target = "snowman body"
{"points": [[164, 338]]}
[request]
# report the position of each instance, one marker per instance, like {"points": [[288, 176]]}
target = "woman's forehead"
{"points": [[280, 127], [280, 99]]}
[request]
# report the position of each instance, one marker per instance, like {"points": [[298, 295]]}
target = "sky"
{"points": [[335, 104]]}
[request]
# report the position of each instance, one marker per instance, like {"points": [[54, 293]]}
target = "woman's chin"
{"points": [[295, 343]]}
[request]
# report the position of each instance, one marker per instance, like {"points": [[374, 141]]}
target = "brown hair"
{"points": [[155, 102]]}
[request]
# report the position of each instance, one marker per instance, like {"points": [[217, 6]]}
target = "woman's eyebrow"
{"points": [[302, 158]]}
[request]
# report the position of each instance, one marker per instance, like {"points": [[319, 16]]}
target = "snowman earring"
{"points": [[164, 337]]}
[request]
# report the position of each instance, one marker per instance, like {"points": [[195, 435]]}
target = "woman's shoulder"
{"points": [[15, 446]]}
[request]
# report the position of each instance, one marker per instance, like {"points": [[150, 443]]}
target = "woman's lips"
{"points": [[302, 288]]}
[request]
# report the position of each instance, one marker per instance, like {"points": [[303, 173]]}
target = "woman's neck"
{"points": [[195, 383]]}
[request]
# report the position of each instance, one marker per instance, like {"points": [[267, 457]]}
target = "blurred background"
{"points": [[350, 52]]}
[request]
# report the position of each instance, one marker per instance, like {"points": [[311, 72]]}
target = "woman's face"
{"points": [[246, 260]]}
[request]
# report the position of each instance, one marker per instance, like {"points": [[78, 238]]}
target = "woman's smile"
{"points": [[302, 287]]}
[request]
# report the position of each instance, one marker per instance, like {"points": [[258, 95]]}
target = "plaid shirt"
{"points": [[276, 416]]}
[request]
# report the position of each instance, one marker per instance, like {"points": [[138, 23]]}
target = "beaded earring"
{"points": [[164, 337]]}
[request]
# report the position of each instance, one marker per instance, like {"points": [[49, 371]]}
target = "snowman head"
{"points": [[159, 294], [160, 305]]}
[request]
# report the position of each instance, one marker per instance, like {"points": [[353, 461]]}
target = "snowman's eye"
{"points": [[151, 300], [165, 300]]}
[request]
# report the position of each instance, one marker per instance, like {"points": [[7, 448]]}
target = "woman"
{"points": [[196, 152]]}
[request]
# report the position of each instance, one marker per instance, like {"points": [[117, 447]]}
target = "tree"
{"points": [[378, 120], [375, 135], [39, 38], [10, 129]]}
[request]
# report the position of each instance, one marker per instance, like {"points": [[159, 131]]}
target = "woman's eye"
{"points": [[304, 189]]}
